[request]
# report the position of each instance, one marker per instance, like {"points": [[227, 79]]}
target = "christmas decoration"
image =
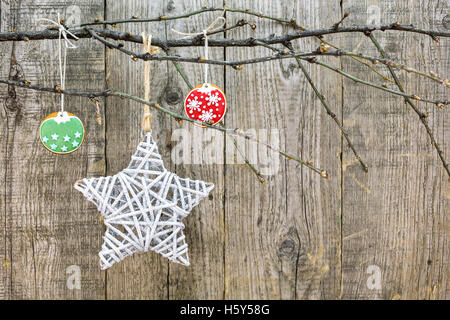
{"points": [[206, 103], [62, 133], [143, 206]]}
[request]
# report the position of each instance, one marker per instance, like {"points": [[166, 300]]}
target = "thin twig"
{"points": [[421, 115], [187, 15], [180, 71], [249, 42], [336, 25], [374, 85], [381, 27], [389, 63], [109, 93], [247, 162], [367, 64], [302, 55]]}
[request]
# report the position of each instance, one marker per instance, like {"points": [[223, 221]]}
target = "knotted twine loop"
{"points": [[147, 119], [205, 35], [68, 44]]}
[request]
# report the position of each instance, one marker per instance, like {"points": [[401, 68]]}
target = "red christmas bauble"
{"points": [[206, 103]]}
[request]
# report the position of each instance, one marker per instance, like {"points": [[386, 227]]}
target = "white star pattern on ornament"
{"points": [[193, 104], [44, 139], [207, 115], [74, 143], [66, 138], [64, 148], [143, 206], [55, 136], [213, 99], [53, 146], [77, 134]]}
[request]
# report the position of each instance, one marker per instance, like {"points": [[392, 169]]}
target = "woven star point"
{"points": [[143, 206]]}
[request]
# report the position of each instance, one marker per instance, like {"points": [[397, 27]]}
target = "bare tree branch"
{"points": [[421, 115], [111, 93], [249, 42]]}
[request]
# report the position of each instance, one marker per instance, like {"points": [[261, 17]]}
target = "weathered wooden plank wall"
{"points": [[296, 236]]}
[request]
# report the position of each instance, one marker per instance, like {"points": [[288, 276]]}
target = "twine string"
{"points": [[204, 32], [68, 44], [147, 119]]}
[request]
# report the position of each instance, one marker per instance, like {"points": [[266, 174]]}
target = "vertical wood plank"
{"points": [[46, 229], [204, 278], [5, 64], [140, 276], [395, 222], [282, 237]]}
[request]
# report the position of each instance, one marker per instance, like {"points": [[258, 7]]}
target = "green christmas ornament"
{"points": [[62, 132]]}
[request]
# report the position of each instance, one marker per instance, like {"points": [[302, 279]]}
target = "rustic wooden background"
{"points": [[297, 236]]}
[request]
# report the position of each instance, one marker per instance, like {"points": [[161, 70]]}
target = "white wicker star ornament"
{"points": [[143, 206]]}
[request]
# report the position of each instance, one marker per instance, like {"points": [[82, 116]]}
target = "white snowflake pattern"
{"points": [[207, 115], [193, 104], [213, 99]]}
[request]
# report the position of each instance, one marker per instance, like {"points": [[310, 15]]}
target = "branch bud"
{"points": [[324, 174]]}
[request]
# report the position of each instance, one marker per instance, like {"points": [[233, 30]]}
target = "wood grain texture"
{"points": [[297, 236], [46, 226], [204, 278], [396, 216], [283, 236]]}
